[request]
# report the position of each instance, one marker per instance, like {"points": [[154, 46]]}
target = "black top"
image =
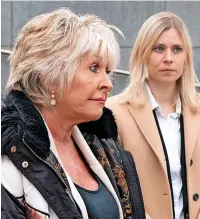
{"points": [[100, 203]]}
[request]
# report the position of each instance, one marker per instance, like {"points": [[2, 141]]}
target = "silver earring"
{"points": [[53, 101]]}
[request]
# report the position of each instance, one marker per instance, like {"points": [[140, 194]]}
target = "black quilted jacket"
{"points": [[23, 126]]}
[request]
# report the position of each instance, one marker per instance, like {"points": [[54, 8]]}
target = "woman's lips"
{"points": [[100, 100], [167, 69]]}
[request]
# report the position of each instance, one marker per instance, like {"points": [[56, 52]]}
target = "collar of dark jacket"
{"points": [[22, 121]]}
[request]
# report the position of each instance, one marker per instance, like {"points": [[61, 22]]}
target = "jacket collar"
{"points": [[21, 120], [149, 129], [144, 118]]}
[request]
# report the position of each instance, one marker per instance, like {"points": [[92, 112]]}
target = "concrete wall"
{"points": [[128, 16]]}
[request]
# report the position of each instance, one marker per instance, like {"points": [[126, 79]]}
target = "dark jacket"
{"points": [[25, 138]]}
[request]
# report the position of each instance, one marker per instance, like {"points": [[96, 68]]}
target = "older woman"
{"points": [[158, 118], [59, 78]]}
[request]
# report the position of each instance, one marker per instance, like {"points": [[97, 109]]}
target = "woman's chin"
{"points": [[95, 116]]}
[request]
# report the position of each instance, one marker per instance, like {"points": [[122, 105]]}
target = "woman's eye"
{"points": [[177, 49], [108, 72], [94, 68], [158, 49]]}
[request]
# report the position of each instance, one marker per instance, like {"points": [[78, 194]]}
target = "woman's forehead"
{"points": [[171, 35], [98, 55]]}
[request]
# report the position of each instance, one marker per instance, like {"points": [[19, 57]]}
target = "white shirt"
{"points": [[170, 128]]}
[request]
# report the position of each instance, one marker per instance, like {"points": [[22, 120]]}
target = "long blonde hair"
{"points": [[147, 37]]}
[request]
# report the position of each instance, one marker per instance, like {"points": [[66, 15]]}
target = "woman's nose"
{"points": [[168, 56], [106, 83]]}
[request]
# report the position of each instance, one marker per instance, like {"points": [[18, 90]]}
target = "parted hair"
{"points": [[149, 33], [49, 49]]}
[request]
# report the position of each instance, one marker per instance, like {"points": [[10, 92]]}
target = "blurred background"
{"points": [[127, 15]]}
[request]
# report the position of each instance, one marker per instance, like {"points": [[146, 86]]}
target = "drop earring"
{"points": [[53, 101]]}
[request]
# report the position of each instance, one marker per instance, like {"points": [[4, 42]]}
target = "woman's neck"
{"points": [[60, 129], [165, 95]]}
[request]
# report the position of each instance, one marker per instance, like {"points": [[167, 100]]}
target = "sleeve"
{"points": [[133, 183], [11, 177], [20, 194], [10, 206], [11, 190]]}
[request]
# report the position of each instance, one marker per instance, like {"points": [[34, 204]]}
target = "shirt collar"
{"points": [[155, 105], [153, 102]]}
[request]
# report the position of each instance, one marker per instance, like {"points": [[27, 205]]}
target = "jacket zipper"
{"points": [[67, 189]]}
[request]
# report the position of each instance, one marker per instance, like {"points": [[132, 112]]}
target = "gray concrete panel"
{"points": [[189, 12], [125, 54], [6, 27], [128, 16], [120, 82], [196, 52], [4, 70], [131, 15], [21, 15]]}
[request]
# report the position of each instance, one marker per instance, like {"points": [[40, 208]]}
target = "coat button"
{"points": [[25, 164], [13, 149], [191, 162], [195, 197]]}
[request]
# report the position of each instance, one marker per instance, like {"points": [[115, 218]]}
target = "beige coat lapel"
{"points": [[144, 118], [191, 131]]}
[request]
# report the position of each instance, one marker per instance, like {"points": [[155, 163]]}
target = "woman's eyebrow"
{"points": [[178, 45], [97, 56], [161, 44]]}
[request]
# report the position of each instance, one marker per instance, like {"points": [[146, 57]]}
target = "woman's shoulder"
{"points": [[117, 104], [11, 122], [114, 100]]}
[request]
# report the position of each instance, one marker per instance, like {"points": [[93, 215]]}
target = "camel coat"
{"points": [[138, 134]]}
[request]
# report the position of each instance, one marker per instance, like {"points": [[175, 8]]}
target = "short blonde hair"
{"points": [[49, 49], [146, 39]]}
